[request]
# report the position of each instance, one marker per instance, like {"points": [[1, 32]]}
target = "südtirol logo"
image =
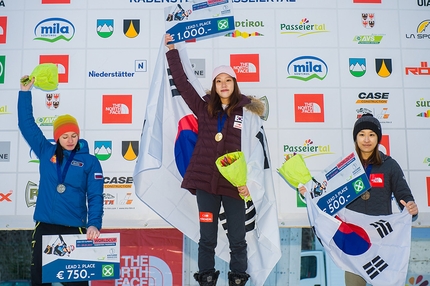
{"points": [[305, 68], [105, 27], [2, 68], [131, 28], [309, 107], [423, 103], [246, 67], [117, 109], [54, 29], [304, 28], [62, 62], [357, 66], [246, 24], [3, 29], [103, 150]]}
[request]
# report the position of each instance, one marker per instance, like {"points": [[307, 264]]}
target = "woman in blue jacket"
{"points": [[70, 194]]}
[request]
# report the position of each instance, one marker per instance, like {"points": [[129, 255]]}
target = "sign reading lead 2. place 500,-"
{"points": [[204, 19], [72, 258]]}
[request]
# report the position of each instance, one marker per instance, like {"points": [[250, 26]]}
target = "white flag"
{"points": [[168, 137], [375, 247]]}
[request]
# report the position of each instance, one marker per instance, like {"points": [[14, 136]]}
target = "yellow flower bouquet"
{"points": [[233, 167]]}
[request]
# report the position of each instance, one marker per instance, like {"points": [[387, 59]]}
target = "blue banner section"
{"points": [[201, 28], [342, 196], [67, 270]]}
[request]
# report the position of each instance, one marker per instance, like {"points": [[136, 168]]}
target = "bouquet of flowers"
{"points": [[233, 167], [46, 77], [294, 170]]}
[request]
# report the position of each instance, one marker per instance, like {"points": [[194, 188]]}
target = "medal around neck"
{"points": [[365, 196], [218, 137], [61, 188]]}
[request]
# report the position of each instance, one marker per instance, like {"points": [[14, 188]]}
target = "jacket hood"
{"points": [[255, 106], [384, 157]]}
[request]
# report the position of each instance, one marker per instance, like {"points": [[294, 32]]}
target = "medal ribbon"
{"points": [[62, 176], [368, 170], [221, 121]]}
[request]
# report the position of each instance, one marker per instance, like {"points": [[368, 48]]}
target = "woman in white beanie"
{"points": [[220, 116]]}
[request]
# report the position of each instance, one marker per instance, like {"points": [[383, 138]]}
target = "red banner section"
{"points": [[148, 257]]}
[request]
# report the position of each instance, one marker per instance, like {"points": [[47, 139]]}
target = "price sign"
{"points": [[72, 258], [200, 19], [339, 184]]}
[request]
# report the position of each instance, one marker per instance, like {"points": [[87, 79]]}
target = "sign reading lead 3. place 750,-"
{"points": [[72, 258], [204, 19]]}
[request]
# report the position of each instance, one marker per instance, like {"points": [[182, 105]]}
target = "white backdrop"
{"points": [[265, 47]]}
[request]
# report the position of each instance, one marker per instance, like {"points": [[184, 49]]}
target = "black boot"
{"points": [[237, 279], [207, 278]]}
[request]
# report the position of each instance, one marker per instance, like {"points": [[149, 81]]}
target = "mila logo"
{"points": [[54, 29]]}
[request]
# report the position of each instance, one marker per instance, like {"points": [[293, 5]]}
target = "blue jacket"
{"points": [[84, 178]]}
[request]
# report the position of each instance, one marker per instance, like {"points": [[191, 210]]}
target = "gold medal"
{"points": [[218, 137], [365, 196]]}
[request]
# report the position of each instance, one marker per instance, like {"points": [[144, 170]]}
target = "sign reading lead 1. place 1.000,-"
{"points": [[72, 258], [205, 19]]}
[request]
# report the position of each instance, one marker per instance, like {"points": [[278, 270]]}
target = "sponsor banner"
{"points": [[72, 258], [338, 184], [148, 257], [200, 19]]}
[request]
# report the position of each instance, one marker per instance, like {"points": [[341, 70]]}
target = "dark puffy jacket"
{"points": [[389, 180], [202, 172]]}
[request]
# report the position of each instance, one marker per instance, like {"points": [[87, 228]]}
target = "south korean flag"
{"points": [[375, 247]]}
